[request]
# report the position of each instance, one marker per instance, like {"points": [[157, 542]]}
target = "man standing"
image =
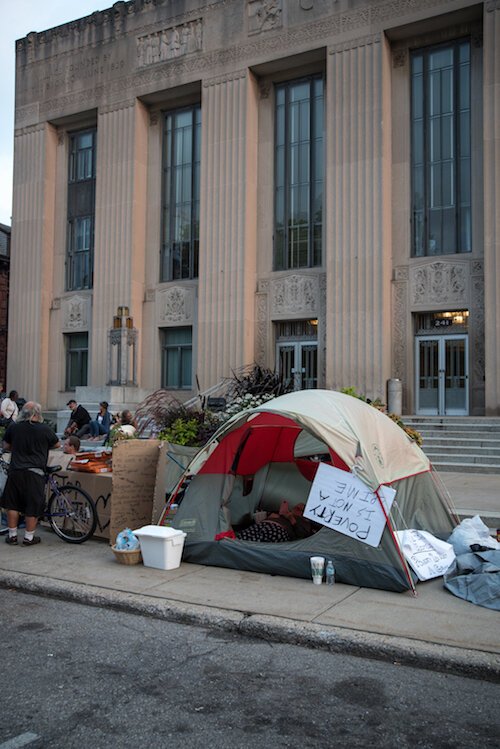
{"points": [[79, 419], [29, 440]]}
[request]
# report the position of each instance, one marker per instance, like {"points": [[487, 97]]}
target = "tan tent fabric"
{"points": [[376, 449]]}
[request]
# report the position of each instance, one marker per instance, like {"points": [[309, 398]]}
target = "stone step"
{"points": [[460, 434], [457, 458], [458, 428], [444, 465], [462, 450], [478, 440], [452, 419]]}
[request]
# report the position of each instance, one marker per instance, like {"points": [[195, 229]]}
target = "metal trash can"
{"points": [[395, 396]]}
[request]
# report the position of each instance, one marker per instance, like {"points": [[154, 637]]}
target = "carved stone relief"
{"points": [[175, 305], [75, 313], [476, 327], [399, 336], [322, 330], [262, 329], [439, 283], [293, 296], [399, 57], [149, 48], [170, 43], [264, 15]]}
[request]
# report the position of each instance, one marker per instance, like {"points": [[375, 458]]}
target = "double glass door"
{"points": [[442, 386], [298, 364]]}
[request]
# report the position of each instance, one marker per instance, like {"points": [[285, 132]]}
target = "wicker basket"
{"points": [[127, 556]]}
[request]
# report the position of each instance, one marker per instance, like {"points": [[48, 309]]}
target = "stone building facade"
{"points": [[306, 184]]}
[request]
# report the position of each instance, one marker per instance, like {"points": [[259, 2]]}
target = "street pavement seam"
{"points": [[402, 651]]}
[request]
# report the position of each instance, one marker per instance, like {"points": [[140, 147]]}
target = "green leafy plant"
{"points": [[181, 432]]}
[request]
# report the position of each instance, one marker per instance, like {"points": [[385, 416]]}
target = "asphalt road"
{"points": [[74, 676]]}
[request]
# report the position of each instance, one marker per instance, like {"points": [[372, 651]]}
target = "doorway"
{"points": [[297, 353], [442, 375]]}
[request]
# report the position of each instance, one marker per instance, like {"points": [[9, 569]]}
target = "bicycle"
{"points": [[69, 510]]}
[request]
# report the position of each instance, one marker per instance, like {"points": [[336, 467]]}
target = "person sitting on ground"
{"points": [[126, 423], [284, 525], [9, 410], [99, 426], [79, 418], [124, 428]]}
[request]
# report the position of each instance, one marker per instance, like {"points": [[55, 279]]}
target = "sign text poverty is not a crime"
{"points": [[345, 504]]}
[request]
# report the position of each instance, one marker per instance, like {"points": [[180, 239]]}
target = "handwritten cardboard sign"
{"points": [[345, 504], [427, 555]]}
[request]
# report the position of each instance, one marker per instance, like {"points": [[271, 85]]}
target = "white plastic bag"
{"points": [[471, 531]]}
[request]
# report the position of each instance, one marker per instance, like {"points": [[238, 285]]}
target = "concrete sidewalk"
{"points": [[433, 630]]}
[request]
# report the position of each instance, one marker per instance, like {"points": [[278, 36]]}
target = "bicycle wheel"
{"points": [[72, 514]]}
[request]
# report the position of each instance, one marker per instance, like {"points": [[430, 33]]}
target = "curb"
{"points": [[401, 651]]}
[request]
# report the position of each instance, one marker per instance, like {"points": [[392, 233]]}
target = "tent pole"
{"points": [[396, 543]]}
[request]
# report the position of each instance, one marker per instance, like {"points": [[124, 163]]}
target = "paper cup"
{"points": [[317, 567]]}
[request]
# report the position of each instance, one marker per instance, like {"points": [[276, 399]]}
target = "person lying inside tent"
{"points": [[284, 525]]}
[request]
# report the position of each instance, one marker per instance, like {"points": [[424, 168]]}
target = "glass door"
{"points": [[442, 375], [298, 364]]}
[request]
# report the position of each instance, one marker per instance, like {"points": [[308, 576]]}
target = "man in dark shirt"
{"points": [[29, 441], [79, 418]]}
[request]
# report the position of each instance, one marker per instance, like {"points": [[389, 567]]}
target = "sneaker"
{"points": [[11, 540], [34, 540]]}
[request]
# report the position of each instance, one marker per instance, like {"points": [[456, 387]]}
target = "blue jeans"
{"points": [[96, 429]]}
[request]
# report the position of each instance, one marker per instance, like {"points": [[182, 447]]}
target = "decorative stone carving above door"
{"points": [[440, 282], [295, 296]]}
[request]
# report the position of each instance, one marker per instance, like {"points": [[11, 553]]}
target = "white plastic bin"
{"points": [[161, 547]]}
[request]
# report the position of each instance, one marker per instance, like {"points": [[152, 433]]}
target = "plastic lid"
{"points": [[158, 531]]}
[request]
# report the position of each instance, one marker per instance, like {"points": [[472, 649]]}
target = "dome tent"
{"points": [[262, 456]]}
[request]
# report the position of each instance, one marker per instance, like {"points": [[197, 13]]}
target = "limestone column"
{"points": [[119, 227], [491, 92], [32, 261], [358, 216], [227, 227]]}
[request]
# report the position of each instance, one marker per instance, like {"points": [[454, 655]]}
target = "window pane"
{"points": [[181, 194], [299, 156], [440, 174], [80, 210], [176, 357], [172, 373], [441, 58], [76, 360], [418, 97], [186, 359]]}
